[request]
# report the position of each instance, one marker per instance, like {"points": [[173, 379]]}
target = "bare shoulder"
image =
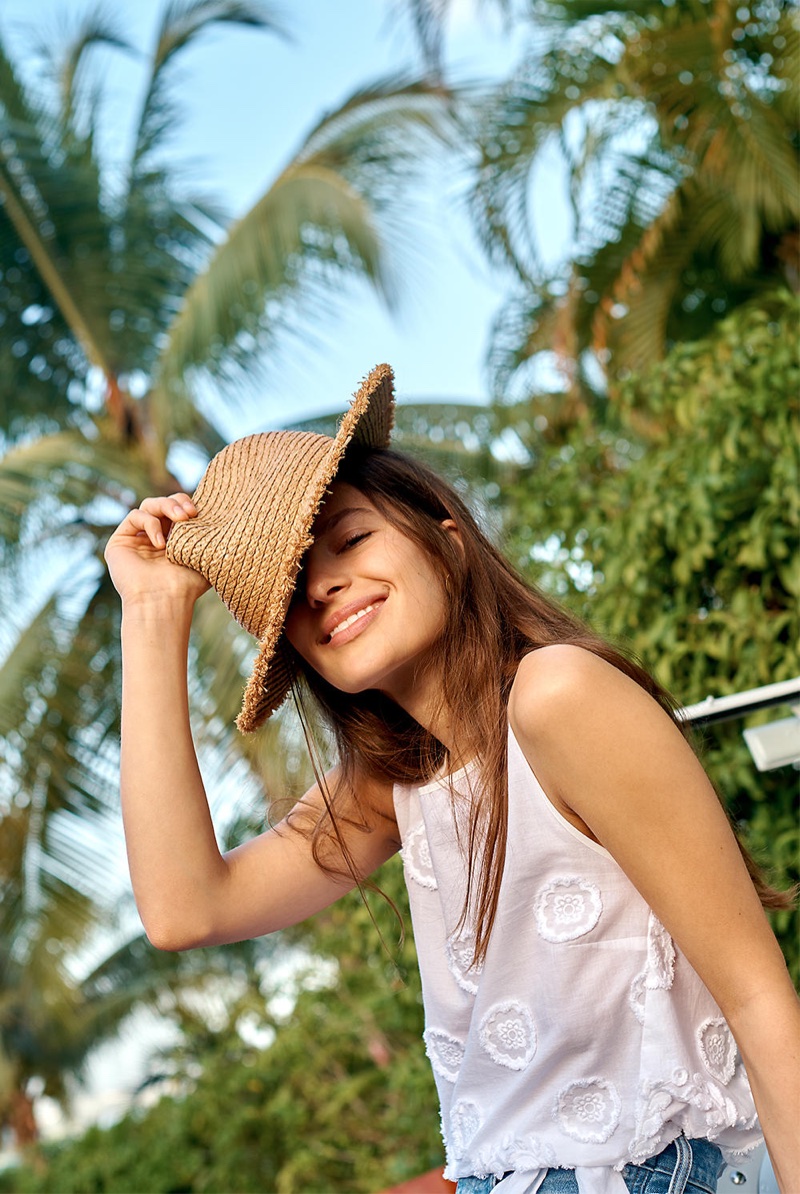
{"points": [[562, 680], [574, 714], [559, 664]]}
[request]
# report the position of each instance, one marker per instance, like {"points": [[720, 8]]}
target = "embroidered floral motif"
{"points": [[566, 909], [660, 969], [655, 1110], [522, 1153], [508, 1034], [459, 951], [588, 1110], [660, 1102], [446, 1052], [417, 858], [636, 996], [717, 1049], [465, 1120], [530, 1153]]}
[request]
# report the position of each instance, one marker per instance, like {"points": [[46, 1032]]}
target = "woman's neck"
{"points": [[424, 701]]}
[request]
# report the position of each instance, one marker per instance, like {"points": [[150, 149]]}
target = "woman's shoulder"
{"points": [[560, 671], [562, 685]]}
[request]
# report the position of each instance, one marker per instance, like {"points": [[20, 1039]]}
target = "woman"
{"points": [[593, 949]]}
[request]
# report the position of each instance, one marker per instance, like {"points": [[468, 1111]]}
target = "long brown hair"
{"points": [[495, 619]]}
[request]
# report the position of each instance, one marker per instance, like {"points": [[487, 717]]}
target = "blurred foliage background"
{"points": [[638, 459]]}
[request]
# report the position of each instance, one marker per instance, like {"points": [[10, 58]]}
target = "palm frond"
{"points": [[16, 190], [93, 284], [526, 116], [182, 22], [23, 664], [550, 324], [728, 126], [17, 104], [524, 328], [51, 198], [41, 365], [646, 288], [428, 20], [265, 257], [174, 411], [68, 471], [452, 435], [97, 26], [60, 683], [786, 69], [331, 214], [667, 236], [570, 13]]}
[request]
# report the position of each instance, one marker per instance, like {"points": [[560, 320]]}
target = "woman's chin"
{"points": [[353, 687]]}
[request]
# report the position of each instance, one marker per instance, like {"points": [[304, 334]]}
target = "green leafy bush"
{"points": [[343, 1099], [673, 528]]}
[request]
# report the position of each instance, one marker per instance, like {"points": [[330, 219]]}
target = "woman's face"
{"points": [[369, 605]]}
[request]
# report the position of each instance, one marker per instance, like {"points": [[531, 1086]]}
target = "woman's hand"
{"points": [[136, 554]]}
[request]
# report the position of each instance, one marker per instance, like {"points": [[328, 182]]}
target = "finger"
{"points": [[185, 503], [146, 523], [184, 500], [169, 508]]}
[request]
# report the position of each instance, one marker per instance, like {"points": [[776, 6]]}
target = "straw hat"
{"points": [[256, 505]]}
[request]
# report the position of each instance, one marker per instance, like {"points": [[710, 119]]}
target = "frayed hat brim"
{"points": [[257, 503]]}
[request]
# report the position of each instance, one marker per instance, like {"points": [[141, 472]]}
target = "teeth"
{"points": [[353, 618]]}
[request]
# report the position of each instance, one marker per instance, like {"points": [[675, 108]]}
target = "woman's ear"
{"points": [[451, 526]]}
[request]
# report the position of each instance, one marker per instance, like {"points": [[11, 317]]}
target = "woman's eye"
{"points": [[352, 540]]}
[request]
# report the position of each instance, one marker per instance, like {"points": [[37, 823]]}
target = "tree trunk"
{"points": [[22, 1120]]}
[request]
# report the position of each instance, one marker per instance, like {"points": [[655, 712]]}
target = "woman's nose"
{"points": [[322, 585]]}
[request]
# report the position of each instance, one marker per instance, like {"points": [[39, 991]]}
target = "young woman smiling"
{"points": [[606, 1006]]}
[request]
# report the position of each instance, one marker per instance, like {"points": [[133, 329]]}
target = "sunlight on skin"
{"points": [[359, 560]]}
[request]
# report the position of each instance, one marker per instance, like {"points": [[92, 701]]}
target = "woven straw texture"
{"points": [[256, 503]]}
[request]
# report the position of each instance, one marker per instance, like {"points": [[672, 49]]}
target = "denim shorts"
{"points": [[684, 1167]]}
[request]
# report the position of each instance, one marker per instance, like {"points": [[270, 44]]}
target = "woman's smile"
{"points": [[346, 623]]}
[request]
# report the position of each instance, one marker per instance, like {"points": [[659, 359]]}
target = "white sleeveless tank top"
{"points": [[586, 1040]]}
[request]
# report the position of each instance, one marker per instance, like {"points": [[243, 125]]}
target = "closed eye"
{"points": [[352, 540]]}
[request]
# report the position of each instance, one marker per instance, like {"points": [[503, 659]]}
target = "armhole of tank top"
{"points": [[545, 800]]}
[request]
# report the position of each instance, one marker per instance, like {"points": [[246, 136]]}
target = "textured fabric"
{"points": [[256, 503], [586, 1040], [684, 1167]]}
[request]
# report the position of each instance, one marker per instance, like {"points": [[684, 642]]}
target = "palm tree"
{"points": [[428, 19], [122, 302], [51, 1019], [124, 298], [677, 128]]}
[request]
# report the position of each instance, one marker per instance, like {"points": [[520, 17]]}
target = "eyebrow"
{"points": [[329, 524]]}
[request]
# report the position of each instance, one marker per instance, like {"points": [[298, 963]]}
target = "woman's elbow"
{"points": [[172, 935], [167, 940]]}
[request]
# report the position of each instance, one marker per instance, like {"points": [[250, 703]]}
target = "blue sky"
{"points": [[249, 99]]}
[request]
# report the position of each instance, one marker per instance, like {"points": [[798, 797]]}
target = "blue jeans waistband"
{"points": [[685, 1165]]}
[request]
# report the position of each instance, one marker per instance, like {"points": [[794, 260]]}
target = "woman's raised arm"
{"points": [[189, 893]]}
